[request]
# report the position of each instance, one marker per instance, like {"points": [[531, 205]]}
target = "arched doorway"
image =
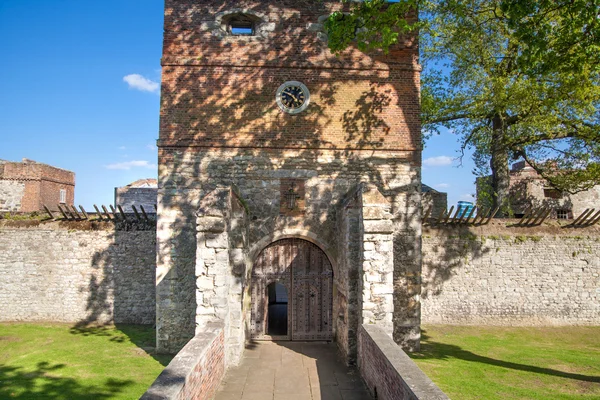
{"points": [[303, 271]]}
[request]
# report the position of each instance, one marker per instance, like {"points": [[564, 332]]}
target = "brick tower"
{"points": [[289, 179]]}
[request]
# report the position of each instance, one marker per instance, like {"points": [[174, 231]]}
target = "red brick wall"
{"points": [[42, 184], [203, 382], [196, 371], [220, 91]]}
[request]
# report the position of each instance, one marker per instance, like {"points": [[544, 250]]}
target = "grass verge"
{"points": [[54, 361], [473, 362]]}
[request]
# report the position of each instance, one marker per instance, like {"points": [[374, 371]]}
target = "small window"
{"points": [[241, 25], [63, 196], [564, 214], [552, 193]]}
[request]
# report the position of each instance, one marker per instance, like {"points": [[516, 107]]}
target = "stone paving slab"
{"points": [[292, 371]]}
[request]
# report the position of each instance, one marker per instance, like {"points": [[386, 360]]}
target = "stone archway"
{"points": [[306, 273]]}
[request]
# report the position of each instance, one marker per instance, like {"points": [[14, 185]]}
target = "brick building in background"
{"points": [[28, 185], [529, 189]]}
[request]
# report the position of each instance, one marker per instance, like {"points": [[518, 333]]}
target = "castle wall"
{"points": [[221, 127], [64, 274], [511, 276]]}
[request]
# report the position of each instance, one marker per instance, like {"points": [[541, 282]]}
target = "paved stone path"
{"points": [[292, 371]]}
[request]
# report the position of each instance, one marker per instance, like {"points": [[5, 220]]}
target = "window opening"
{"points": [[552, 193], [278, 310], [241, 25], [563, 214], [63, 196]]}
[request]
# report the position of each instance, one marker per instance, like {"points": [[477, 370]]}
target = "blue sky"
{"points": [[80, 90]]}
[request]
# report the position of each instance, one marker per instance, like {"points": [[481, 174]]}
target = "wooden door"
{"points": [[306, 273]]}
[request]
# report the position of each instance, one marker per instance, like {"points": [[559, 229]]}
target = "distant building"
{"points": [[464, 208], [142, 192], [433, 200], [528, 188], [28, 185]]}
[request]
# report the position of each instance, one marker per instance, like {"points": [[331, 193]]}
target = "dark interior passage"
{"points": [[278, 309]]}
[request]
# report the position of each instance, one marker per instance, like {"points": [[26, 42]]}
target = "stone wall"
{"points": [[388, 372], [196, 371], [77, 273], [132, 196], [221, 127], [11, 194], [495, 275]]}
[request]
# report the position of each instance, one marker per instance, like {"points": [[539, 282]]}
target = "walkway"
{"points": [[292, 371]]}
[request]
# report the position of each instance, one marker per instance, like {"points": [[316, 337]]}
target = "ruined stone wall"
{"points": [[65, 274], [495, 275]]}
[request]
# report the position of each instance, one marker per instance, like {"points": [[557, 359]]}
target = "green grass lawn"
{"points": [[52, 361], [471, 362]]}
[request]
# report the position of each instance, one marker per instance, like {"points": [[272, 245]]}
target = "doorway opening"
{"points": [[277, 321]]}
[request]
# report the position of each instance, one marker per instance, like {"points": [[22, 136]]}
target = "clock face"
{"points": [[293, 97]]}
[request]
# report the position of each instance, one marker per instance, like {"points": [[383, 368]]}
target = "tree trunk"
{"points": [[499, 165]]}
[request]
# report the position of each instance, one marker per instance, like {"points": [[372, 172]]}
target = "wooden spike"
{"points": [[527, 211], [75, 212], [122, 213], [481, 214], [98, 213], [448, 215], [85, 215], [135, 211], [470, 215], [492, 215], [114, 212], [594, 219], [426, 216], [106, 213], [545, 216], [144, 212], [49, 212], [586, 219], [62, 211], [582, 216], [537, 219], [453, 220], [532, 215], [69, 212]]}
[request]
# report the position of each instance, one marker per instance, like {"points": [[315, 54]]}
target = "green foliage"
{"points": [[372, 24], [513, 79]]}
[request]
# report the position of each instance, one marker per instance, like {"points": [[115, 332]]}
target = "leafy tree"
{"points": [[513, 78]]}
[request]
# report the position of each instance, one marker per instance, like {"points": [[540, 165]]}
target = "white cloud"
{"points": [[121, 147], [138, 82], [131, 164], [440, 161], [467, 197], [151, 146], [442, 185]]}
